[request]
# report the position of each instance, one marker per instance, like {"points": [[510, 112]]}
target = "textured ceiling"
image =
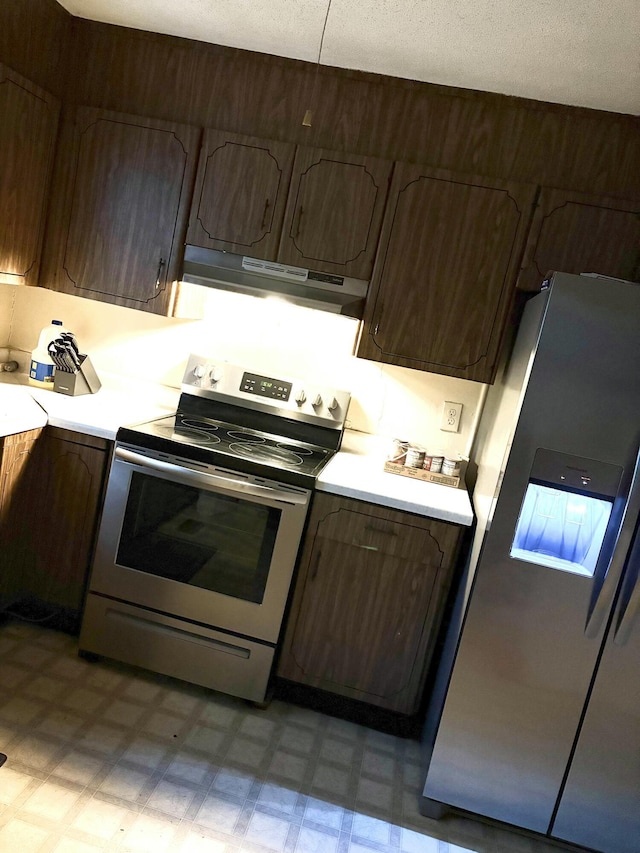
{"points": [[580, 52]]}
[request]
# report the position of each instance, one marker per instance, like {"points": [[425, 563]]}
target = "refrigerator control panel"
{"points": [[575, 473]]}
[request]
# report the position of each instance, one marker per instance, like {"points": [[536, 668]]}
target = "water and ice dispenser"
{"points": [[565, 512]]}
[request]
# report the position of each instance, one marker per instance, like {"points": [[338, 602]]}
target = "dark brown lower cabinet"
{"points": [[51, 484], [368, 602]]}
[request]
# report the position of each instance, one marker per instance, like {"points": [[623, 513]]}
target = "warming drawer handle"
{"points": [[197, 477], [605, 598], [181, 634]]}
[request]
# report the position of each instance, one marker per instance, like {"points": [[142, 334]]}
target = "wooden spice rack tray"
{"points": [[421, 474]]}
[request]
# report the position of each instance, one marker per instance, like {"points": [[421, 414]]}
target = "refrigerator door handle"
{"points": [[630, 606], [604, 600]]}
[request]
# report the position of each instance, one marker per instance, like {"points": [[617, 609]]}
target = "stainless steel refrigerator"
{"points": [[539, 724]]}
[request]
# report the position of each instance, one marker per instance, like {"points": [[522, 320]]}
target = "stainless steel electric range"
{"points": [[202, 521]]}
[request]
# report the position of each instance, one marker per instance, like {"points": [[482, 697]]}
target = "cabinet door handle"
{"points": [[264, 213], [300, 212], [364, 547], [316, 564], [161, 263], [375, 529]]}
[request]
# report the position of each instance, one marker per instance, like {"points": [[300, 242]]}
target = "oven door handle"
{"points": [[202, 478]]}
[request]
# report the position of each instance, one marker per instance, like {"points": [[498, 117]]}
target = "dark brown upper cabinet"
{"points": [[121, 202], [334, 212], [445, 273], [240, 194], [302, 206], [28, 125], [573, 232]]}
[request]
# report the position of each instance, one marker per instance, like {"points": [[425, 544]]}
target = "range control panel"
{"points": [[276, 389], [294, 398]]}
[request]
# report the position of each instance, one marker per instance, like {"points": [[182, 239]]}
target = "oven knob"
{"points": [[198, 371], [333, 405], [300, 397], [317, 402], [215, 375]]}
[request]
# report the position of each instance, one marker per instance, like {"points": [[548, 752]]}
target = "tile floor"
{"points": [[103, 757]]}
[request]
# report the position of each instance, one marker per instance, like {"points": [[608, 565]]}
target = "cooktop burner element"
{"points": [[260, 451], [256, 424]]}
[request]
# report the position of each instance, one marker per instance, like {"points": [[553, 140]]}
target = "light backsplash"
{"points": [[270, 336], [7, 298]]}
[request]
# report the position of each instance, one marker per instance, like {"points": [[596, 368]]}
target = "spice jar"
{"points": [[398, 451], [436, 463], [451, 466], [415, 456]]}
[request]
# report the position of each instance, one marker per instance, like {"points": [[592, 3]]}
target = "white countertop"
{"points": [[355, 472], [119, 401], [18, 410]]}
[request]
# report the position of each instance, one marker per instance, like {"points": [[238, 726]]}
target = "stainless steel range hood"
{"points": [[242, 274]]}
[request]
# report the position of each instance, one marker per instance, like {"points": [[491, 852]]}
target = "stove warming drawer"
{"points": [[173, 647]]}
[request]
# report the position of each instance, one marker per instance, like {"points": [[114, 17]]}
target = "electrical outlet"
{"points": [[450, 421]]}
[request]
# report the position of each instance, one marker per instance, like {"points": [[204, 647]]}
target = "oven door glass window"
{"points": [[198, 537]]}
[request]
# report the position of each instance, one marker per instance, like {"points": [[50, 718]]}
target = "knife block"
{"points": [[83, 381]]}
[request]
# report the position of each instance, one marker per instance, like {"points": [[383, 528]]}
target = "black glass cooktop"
{"points": [[209, 440]]}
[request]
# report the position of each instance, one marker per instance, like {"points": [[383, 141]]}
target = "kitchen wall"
{"points": [[272, 336], [7, 298]]}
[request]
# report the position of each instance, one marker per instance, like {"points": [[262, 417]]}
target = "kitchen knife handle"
{"points": [[161, 264], [264, 213]]}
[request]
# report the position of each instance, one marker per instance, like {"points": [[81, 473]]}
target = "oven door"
{"points": [[199, 542]]}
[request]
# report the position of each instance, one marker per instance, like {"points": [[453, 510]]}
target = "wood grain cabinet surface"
{"points": [[28, 125], [123, 186], [368, 602], [51, 486], [334, 212], [577, 233], [444, 280], [295, 205], [240, 194]]}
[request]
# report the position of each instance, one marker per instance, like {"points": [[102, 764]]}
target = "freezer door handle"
{"points": [[599, 610], [630, 603]]}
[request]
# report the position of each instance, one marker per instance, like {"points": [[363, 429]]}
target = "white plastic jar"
{"points": [[41, 367]]}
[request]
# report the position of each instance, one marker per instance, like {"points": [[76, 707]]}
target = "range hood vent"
{"points": [[242, 274]]}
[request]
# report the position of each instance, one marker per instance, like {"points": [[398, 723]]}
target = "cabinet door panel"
{"points": [[445, 272], [577, 233], [51, 486], [334, 212], [70, 473], [28, 124], [125, 216], [18, 491], [368, 602], [240, 194]]}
